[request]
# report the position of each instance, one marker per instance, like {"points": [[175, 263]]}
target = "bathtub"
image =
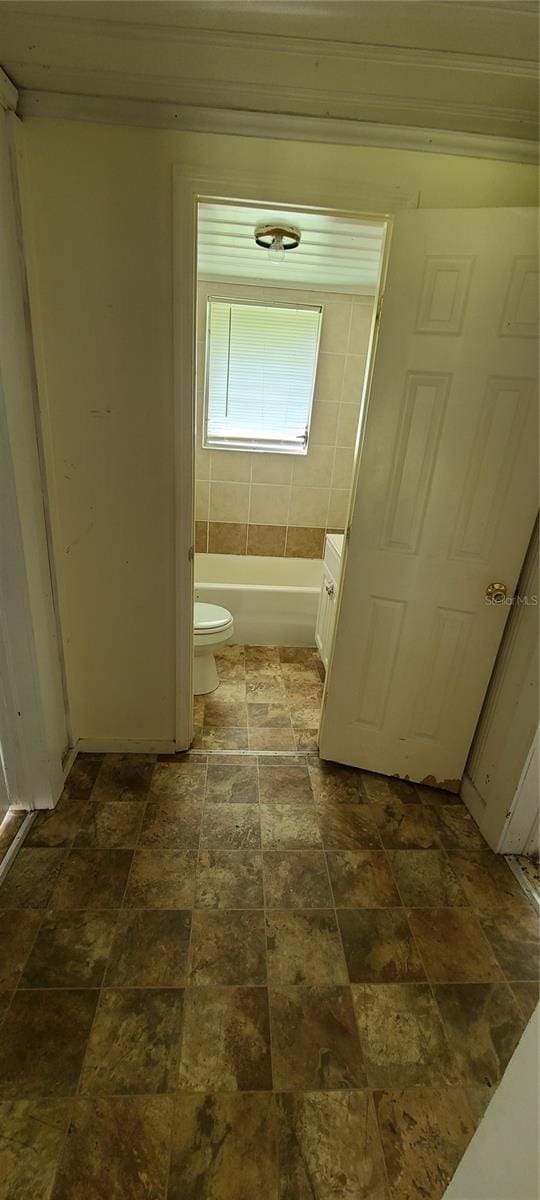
{"points": [[273, 601]]}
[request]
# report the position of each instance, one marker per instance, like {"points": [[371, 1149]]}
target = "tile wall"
{"points": [[280, 504]]}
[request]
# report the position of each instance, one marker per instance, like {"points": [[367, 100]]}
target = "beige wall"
{"points": [[281, 503], [98, 223]]}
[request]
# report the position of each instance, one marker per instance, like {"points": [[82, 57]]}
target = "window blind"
{"points": [[261, 362]]}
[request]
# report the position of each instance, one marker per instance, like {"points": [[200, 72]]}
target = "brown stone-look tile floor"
{"points": [[231, 976]]}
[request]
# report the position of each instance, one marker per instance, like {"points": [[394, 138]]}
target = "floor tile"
{"points": [[424, 1133], [457, 829], [262, 738], [57, 826], [406, 826], [110, 825], [44, 1036], [402, 1035], [347, 826], [31, 880], [258, 657], [436, 796], [379, 946], [329, 1148], [303, 714], [228, 948], [134, 1043], [487, 881], [306, 739], [178, 781], [224, 1148], [514, 940], [268, 715], [171, 824], [383, 787], [265, 690], [483, 1025], [223, 712], [233, 784], [425, 879], [161, 879], [453, 947], [221, 737], [226, 1040], [124, 777], [99, 1159], [32, 1134], [18, 929], [231, 826], [289, 827], [70, 950], [150, 948], [315, 1045], [229, 879], [6, 997], [92, 879], [297, 654], [336, 784], [527, 996], [296, 879], [82, 776], [285, 783], [304, 947], [362, 879]]}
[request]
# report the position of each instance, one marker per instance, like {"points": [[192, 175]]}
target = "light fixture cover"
{"points": [[277, 238]]}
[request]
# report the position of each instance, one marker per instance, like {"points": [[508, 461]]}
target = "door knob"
{"points": [[496, 593]]}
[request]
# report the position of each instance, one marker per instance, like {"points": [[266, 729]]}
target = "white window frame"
{"points": [[258, 445]]}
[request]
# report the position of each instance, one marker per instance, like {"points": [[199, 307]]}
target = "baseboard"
{"points": [[125, 746], [472, 799]]}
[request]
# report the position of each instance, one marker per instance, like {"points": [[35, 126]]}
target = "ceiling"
{"points": [[465, 67], [334, 254]]}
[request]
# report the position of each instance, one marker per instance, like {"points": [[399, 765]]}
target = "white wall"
{"points": [[98, 221]]}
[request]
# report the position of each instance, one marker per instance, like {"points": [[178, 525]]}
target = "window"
{"points": [[261, 361]]}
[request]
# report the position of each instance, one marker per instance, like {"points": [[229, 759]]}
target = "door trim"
{"points": [[192, 184]]}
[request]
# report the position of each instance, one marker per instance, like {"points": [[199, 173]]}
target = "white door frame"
{"points": [[191, 185]]}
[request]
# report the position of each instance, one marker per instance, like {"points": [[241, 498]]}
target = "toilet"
{"points": [[212, 627]]}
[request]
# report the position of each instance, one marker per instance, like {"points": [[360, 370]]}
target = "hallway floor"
{"points": [[228, 977]]}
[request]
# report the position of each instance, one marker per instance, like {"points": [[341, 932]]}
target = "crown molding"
{"points": [[8, 92], [223, 40], [153, 114]]}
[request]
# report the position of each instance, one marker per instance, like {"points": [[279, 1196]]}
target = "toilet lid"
{"points": [[209, 617]]}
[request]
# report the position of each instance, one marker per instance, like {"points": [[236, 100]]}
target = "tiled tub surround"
{"points": [[268, 978], [282, 504]]}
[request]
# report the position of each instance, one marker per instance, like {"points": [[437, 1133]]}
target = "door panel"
{"points": [[446, 495]]}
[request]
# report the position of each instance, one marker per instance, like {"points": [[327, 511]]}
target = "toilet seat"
{"points": [[210, 618]]}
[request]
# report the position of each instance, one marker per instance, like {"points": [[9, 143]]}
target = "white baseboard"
{"points": [[124, 746]]}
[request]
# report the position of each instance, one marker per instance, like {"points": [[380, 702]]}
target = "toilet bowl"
{"points": [[212, 627]]}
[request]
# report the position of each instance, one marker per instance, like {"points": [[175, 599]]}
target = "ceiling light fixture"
{"points": [[277, 239]]}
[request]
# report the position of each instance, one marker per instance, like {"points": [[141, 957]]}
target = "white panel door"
{"points": [[446, 495]]}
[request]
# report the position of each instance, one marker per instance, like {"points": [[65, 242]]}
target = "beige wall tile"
{"points": [[313, 468], [233, 466], [337, 508], [309, 507], [324, 419], [272, 468], [227, 538], [202, 492], [353, 378], [360, 326], [347, 424], [335, 326], [329, 379], [229, 501], [304, 543], [343, 467], [202, 463], [201, 537], [266, 539], [269, 504]]}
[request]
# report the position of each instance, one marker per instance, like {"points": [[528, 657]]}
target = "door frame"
{"points": [[192, 185]]}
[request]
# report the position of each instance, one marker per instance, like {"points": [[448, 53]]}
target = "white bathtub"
{"points": [[273, 600]]}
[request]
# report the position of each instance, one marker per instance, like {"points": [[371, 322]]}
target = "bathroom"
{"points": [[270, 517]]}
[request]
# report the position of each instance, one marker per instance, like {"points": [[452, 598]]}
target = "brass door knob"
{"points": [[496, 592]]}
